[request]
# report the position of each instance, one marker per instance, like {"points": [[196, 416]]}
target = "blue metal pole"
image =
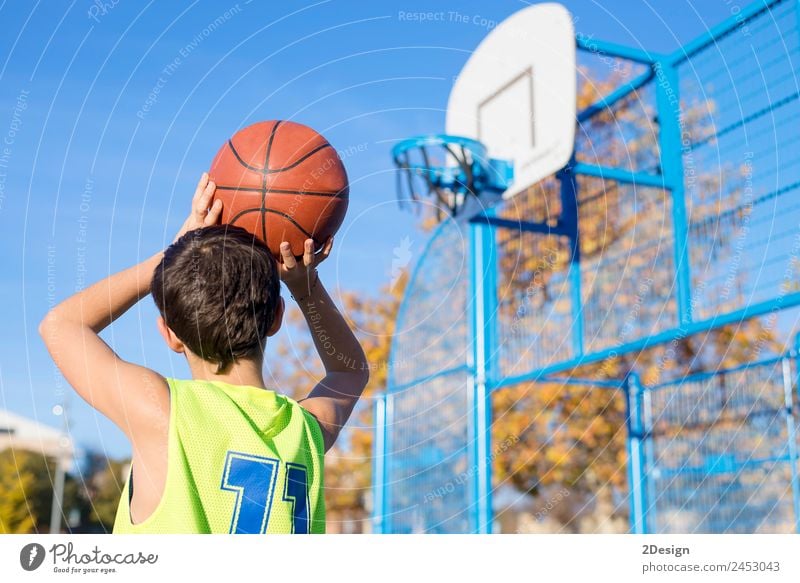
{"points": [[636, 461], [483, 283], [621, 175], [601, 47], [749, 311], [389, 458], [649, 460], [715, 33], [491, 366], [579, 381], [379, 465], [491, 330], [517, 225], [791, 426], [670, 142], [569, 220]]}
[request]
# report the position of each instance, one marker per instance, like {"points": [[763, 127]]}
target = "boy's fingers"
{"points": [[326, 250], [308, 252], [202, 204], [286, 253], [201, 185], [212, 218]]}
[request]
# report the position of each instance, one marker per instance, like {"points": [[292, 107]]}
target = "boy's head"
{"points": [[218, 291]]}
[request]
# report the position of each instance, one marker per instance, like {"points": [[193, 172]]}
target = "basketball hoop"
{"points": [[454, 171]]}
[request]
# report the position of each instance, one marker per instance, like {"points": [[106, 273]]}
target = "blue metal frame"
{"points": [[395, 388], [388, 417], [621, 175], [649, 496], [791, 426], [609, 49], [759, 309], [578, 381], [569, 222], [728, 466], [483, 288], [715, 33], [523, 226], [636, 462], [484, 370], [379, 465], [701, 376], [670, 141]]}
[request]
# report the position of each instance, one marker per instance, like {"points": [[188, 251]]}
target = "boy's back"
{"points": [[221, 453], [241, 459]]}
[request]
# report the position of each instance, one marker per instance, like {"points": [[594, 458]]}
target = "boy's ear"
{"points": [[169, 336], [276, 323]]}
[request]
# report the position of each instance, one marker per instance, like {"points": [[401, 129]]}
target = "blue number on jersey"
{"points": [[296, 492], [253, 479]]}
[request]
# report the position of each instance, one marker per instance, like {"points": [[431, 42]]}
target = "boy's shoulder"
{"points": [[218, 396]]}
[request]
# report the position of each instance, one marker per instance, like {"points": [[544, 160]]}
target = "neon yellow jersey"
{"points": [[241, 460]]}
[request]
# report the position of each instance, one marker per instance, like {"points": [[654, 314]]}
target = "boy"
{"points": [[219, 453]]}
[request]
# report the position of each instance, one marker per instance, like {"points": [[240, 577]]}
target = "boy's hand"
{"points": [[299, 277], [203, 214]]}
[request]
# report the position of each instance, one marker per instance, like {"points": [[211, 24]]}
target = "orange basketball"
{"points": [[282, 181]]}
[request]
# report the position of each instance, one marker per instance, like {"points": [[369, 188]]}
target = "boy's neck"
{"points": [[243, 372]]}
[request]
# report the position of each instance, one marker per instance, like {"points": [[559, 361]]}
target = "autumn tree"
{"points": [[102, 482], [26, 492]]}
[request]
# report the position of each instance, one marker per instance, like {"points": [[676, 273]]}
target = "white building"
{"points": [[18, 432]]}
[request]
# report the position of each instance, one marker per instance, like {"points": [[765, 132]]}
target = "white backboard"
{"points": [[516, 94]]}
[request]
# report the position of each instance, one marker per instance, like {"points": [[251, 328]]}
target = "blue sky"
{"points": [[113, 113]]}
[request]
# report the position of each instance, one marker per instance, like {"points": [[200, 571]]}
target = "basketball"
{"points": [[282, 181]]}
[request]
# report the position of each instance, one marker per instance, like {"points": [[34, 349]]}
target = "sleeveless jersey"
{"points": [[240, 460]]}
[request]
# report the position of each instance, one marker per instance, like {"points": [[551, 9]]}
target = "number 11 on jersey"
{"points": [[253, 478]]}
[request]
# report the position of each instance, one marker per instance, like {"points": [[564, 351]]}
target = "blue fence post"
{"points": [[648, 461], [791, 425], [670, 141], [388, 459], [569, 211], [483, 288], [636, 459], [379, 465]]}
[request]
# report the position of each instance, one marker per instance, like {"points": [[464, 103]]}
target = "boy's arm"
{"points": [[128, 394], [346, 369], [121, 391]]}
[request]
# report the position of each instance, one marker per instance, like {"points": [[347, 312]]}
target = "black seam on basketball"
{"points": [[290, 219], [263, 220], [263, 211], [242, 188], [263, 204], [269, 145], [338, 194], [242, 162], [302, 159], [264, 177], [237, 216]]}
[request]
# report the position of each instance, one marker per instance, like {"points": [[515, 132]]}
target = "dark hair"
{"points": [[218, 289]]}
